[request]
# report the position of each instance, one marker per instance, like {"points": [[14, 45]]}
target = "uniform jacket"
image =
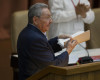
{"points": [[65, 20]]}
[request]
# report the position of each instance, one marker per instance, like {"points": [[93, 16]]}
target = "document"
{"points": [[80, 36]]}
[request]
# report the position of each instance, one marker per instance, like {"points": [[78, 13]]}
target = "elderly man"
{"points": [[35, 52]]}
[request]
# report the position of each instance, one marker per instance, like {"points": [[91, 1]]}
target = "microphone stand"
{"points": [[85, 59]]}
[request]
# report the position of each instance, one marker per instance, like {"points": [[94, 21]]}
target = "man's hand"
{"points": [[81, 9], [70, 45], [63, 36]]}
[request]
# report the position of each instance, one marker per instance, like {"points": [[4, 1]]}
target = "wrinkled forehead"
{"points": [[46, 12]]}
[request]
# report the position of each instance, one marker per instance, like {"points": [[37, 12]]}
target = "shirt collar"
{"points": [[37, 28]]}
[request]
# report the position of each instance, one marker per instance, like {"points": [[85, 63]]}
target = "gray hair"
{"points": [[35, 10]]}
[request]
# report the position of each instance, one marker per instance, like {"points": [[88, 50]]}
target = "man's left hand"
{"points": [[64, 36]]}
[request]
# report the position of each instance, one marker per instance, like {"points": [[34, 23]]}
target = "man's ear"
{"points": [[35, 20]]}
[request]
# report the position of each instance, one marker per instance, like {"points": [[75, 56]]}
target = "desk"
{"points": [[90, 71], [72, 59]]}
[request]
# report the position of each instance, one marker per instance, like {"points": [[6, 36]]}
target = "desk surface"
{"points": [[73, 57]]}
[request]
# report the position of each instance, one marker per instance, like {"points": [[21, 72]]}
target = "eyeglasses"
{"points": [[46, 17]]}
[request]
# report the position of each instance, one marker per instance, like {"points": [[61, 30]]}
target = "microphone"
{"points": [[85, 59], [85, 50]]}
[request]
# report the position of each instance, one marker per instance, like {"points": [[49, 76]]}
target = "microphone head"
{"points": [[84, 60]]}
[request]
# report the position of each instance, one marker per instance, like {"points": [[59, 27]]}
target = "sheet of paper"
{"points": [[74, 56], [80, 36]]}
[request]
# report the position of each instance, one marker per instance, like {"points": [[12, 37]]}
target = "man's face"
{"points": [[43, 22]]}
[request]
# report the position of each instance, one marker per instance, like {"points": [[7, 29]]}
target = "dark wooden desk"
{"points": [[90, 71]]}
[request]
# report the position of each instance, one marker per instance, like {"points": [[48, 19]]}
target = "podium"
{"points": [[90, 71], [19, 21]]}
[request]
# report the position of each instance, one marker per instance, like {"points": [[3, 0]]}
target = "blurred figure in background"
{"points": [[69, 17]]}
